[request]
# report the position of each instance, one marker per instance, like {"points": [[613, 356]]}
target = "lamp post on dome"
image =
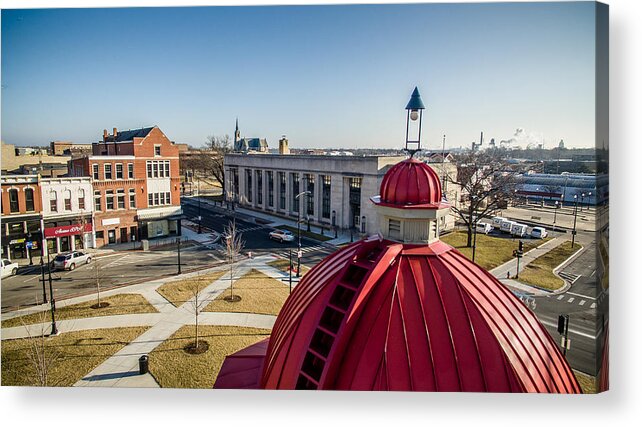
{"points": [[415, 111]]}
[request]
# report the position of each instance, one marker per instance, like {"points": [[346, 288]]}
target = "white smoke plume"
{"points": [[523, 139]]}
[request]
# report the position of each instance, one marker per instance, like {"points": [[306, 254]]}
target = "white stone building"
{"points": [[67, 214], [341, 187]]}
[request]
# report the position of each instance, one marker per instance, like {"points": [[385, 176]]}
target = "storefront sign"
{"points": [[67, 230], [16, 241], [111, 221]]}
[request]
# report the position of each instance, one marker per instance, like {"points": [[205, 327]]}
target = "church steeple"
{"points": [[237, 134]]}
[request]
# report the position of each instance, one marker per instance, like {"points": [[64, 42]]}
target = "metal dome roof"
{"points": [[381, 315], [410, 184]]}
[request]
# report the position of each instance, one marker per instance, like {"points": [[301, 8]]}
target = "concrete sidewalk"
{"points": [[501, 271]]}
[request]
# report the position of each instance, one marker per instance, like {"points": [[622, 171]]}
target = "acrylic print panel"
{"points": [[315, 202]]}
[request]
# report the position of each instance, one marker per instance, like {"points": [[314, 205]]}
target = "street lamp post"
{"points": [[178, 246], [290, 270], [52, 299], [574, 223], [198, 190], [582, 204], [557, 205], [474, 236], [42, 272], [334, 223], [298, 229]]}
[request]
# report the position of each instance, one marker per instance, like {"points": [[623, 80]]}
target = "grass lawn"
{"points": [[491, 251], [306, 233], [179, 291], [588, 384], [74, 354], [118, 304], [173, 367], [540, 271], [259, 294], [284, 265]]}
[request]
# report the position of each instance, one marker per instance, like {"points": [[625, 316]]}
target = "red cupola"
{"points": [[403, 311], [411, 184]]}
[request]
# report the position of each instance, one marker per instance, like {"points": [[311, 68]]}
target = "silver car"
{"points": [[71, 260], [282, 236]]}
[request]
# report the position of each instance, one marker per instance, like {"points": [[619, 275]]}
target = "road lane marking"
{"points": [[570, 331], [581, 296]]}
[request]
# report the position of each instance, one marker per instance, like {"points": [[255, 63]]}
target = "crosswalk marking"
{"points": [[582, 302], [571, 299], [561, 297], [593, 305], [305, 250]]}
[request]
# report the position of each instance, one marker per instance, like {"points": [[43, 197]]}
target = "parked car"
{"points": [[518, 229], [9, 268], [282, 236], [483, 227], [71, 260], [539, 233]]}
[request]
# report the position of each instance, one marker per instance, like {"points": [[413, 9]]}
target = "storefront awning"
{"points": [[159, 213]]}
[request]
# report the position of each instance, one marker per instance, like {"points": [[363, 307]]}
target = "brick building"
{"points": [[21, 206], [135, 178]]}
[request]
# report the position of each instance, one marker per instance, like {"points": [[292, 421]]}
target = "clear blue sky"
{"points": [[326, 76]]}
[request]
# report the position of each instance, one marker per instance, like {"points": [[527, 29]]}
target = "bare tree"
{"points": [[97, 277], [218, 147], [42, 354], [197, 302], [234, 244], [82, 223], [486, 182]]}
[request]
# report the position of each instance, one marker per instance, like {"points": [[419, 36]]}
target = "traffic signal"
{"points": [[561, 323], [521, 246]]}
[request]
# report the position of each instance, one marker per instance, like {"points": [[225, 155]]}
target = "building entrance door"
{"points": [[123, 235], [111, 236]]}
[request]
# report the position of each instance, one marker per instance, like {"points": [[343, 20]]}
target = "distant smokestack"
{"points": [[115, 132], [284, 148], [105, 135]]}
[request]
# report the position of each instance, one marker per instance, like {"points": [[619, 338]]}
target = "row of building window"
{"points": [[14, 205], [108, 171], [308, 184], [159, 199], [66, 195], [158, 169], [114, 200]]}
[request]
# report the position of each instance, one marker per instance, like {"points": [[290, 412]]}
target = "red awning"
{"points": [[67, 230]]}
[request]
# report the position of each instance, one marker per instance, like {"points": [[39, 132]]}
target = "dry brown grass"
{"points": [[491, 251], [259, 294], [284, 265], [180, 291], [174, 368], [118, 304], [540, 271], [588, 384], [77, 354]]}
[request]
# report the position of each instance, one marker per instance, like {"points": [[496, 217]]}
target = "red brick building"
{"points": [[136, 182], [21, 225]]}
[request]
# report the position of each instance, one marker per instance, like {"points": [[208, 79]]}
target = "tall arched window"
{"points": [[14, 206], [53, 201], [29, 202], [67, 197], [81, 199]]}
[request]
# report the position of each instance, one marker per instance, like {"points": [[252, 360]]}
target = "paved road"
{"points": [[583, 302], [256, 236], [115, 269]]}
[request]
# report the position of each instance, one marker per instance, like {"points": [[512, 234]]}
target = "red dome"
{"points": [[410, 183], [381, 315]]}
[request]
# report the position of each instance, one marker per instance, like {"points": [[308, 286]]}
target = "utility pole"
{"points": [[290, 270], [198, 188], [178, 243], [44, 288]]}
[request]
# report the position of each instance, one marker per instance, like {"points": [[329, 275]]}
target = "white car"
{"points": [[9, 268], [71, 260], [539, 233], [282, 236]]}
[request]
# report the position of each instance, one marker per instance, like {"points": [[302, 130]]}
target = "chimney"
{"points": [[283, 145], [105, 135], [115, 132]]}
